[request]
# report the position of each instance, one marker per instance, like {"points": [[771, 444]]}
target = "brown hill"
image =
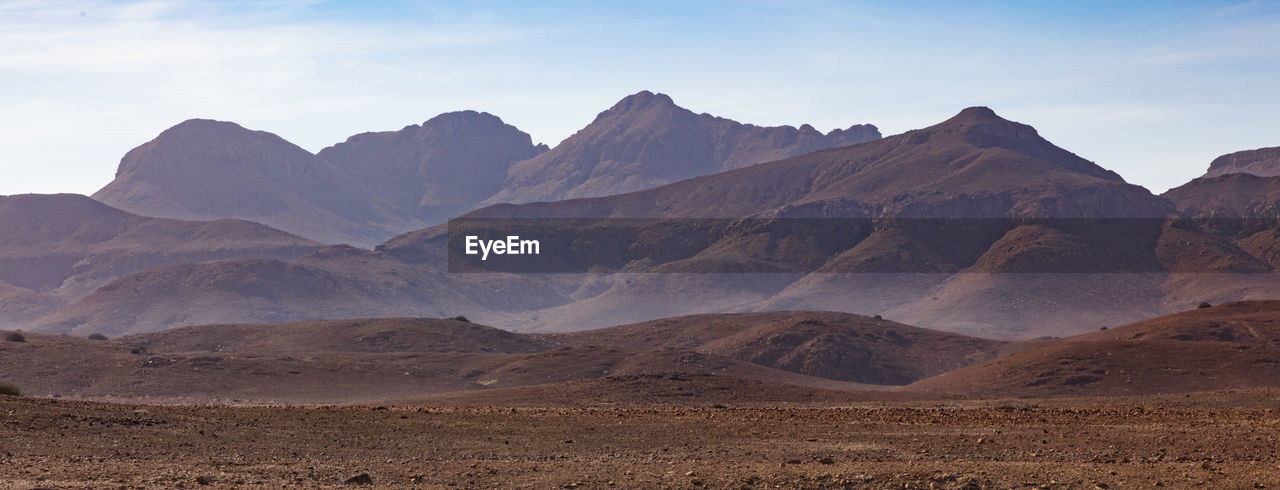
{"points": [[75, 367], [1229, 196], [437, 170], [375, 335], [346, 360], [1264, 162], [822, 344], [65, 246], [572, 363], [645, 141], [1231, 346], [1240, 208]]}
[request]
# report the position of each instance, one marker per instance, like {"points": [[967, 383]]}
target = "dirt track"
{"points": [[1060, 443]]}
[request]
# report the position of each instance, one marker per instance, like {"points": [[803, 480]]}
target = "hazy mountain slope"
{"points": [[437, 170], [1263, 162], [21, 305], [65, 246], [333, 283], [645, 140]]}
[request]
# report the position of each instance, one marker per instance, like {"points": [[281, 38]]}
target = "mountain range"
{"points": [[1034, 240], [377, 185]]}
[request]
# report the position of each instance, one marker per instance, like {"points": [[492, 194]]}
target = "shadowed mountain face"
{"points": [[62, 247], [1263, 162], [438, 170], [1235, 195], [645, 140], [1239, 208]]}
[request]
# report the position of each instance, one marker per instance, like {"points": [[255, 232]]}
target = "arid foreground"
{"points": [[1218, 440]]}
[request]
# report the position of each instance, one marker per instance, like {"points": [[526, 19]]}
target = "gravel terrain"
{"points": [[1213, 440]]}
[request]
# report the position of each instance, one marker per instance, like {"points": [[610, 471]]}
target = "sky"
{"points": [[1152, 90]]}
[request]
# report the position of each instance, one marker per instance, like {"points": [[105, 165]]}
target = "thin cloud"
{"points": [[80, 91]]}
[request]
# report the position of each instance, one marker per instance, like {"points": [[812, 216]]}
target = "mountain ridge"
{"points": [[646, 140], [376, 185], [1263, 162]]}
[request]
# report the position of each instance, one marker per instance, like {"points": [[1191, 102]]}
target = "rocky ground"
{"points": [[1214, 440]]}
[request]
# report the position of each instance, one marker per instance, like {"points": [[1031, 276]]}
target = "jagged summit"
{"points": [[455, 120], [978, 112], [642, 100], [646, 140], [465, 117], [984, 119], [437, 170], [981, 127]]}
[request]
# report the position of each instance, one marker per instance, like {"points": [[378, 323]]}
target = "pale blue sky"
{"points": [[1153, 90]]}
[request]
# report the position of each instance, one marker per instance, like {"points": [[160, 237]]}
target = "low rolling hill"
{"points": [[823, 344], [370, 359], [1229, 346]]}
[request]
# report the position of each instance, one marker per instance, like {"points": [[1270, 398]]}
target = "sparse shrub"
{"points": [[15, 337], [138, 350], [719, 405], [9, 390], [1103, 328], [97, 336], [460, 318], [878, 317], [1203, 305]]}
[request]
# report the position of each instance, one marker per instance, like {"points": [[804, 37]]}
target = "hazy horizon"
{"points": [[1154, 93]]}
